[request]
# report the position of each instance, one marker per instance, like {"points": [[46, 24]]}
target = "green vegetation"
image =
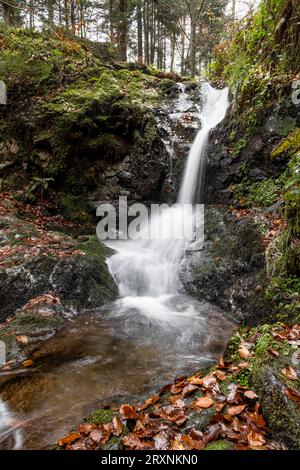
{"points": [[259, 63], [102, 416], [82, 113]]}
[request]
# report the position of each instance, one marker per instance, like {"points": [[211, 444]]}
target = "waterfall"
{"points": [[214, 110], [9, 427], [147, 271]]}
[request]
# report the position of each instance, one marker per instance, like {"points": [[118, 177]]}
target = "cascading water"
{"points": [[147, 271], [214, 110], [128, 349]]}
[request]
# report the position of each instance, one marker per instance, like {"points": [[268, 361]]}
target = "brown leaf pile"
{"points": [[165, 421], [237, 419], [43, 242]]}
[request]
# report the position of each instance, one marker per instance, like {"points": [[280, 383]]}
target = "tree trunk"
{"points": [[193, 49], [73, 22], [50, 12], [122, 30], [31, 15], [140, 32], [183, 46], [146, 14], [233, 9], [66, 14], [111, 22], [173, 44], [10, 14], [153, 34]]}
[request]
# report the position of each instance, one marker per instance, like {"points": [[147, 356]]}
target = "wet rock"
{"points": [[283, 414], [227, 164], [229, 267], [82, 282]]}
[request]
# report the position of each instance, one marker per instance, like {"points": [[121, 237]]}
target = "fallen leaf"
{"points": [[221, 362], [149, 402], [235, 410], [250, 394], [244, 351], [27, 363], [85, 428], [177, 387], [203, 402], [255, 439], [96, 435], [161, 441], [128, 412], [118, 426], [290, 373], [132, 441], [69, 439], [212, 432], [232, 397], [172, 414], [220, 375], [174, 398], [273, 352], [22, 339], [292, 394], [243, 365], [219, 406], [188, 389], [195, 380]]}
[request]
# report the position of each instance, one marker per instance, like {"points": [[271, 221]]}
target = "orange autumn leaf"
{"points": [[195, 380], [128, 412], [69, 439], [188, 389], [273, 352], [203, 402], [174, 398], [22, 339], [220, 375], [255, 439], [27, 363], [235, 410], [118, 426], [149, 402], [244, 352], [292, 394], [289, 373], [219, 406]]}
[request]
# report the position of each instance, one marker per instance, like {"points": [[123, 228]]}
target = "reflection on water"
{"points": [[122, 352]]}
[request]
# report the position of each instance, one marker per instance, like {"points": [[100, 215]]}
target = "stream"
{"points": [[125, 351]]}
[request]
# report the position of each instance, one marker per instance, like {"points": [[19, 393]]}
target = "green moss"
{"points": [[102, 416], [288, 146], [222, 444], [232, 347], [74, 208], [94, 248]]}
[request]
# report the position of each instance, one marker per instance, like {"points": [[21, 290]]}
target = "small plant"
{"points": [[40, 185]]}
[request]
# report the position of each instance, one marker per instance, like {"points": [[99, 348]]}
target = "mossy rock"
{"points": [[222, 444], [282, 414], [101, 416], [288, 146]]}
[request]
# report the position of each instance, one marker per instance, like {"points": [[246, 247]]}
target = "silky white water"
{"points": [[214, 110], [147, 271], [135, 345]]}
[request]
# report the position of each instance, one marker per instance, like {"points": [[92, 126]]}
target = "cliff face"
{"points": [[254, 155], [79, 123]]}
